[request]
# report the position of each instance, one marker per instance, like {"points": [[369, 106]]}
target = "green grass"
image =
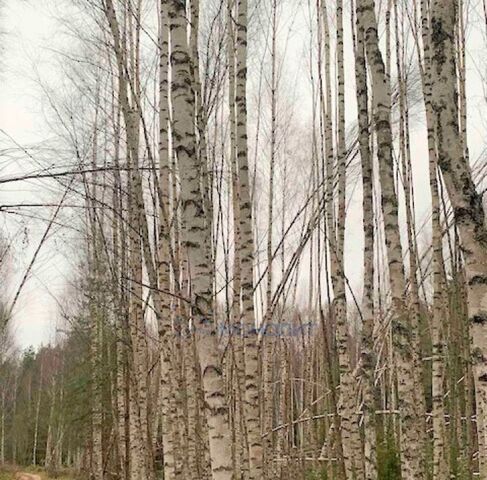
{"points": [[316, 475]]}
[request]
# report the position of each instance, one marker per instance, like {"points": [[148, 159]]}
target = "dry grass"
{"points": [[7, 472]]}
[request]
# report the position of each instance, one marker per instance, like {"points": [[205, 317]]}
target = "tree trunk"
{"points": [[402, 330], [252, 410], [467, 205], [194, 234], [367, 357]]}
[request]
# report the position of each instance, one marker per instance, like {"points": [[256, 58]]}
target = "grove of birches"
{"points": [[216, 203]]}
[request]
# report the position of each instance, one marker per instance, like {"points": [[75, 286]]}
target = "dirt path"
{"points": [[26, 476]]}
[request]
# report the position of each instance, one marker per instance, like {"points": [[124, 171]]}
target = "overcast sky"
{"points": [[29, 31]]}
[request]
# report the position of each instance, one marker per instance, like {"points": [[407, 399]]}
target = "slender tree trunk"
{"points": [[252, 411], [402, 330], [237, 338], [194, 226], [164, 268], [269, 342], [440, 469], [367, 356], [348, 394], [2, 428], [37, 418]]}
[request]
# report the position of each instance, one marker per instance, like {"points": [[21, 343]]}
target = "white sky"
{"points": [[29, 30]]}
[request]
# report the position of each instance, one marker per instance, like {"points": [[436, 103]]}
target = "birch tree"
{"points": [[194, 226], [401, 326], [466, 202]]}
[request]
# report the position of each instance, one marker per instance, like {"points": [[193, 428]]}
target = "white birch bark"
{"points": [[164, 267], [2, 427], [440, 470], [466, 202], [252, 411], [241, 438], [367, 355], [402, 334], [193, 236]]}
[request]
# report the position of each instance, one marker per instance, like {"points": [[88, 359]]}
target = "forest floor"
{"points": [[12, 472]]}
